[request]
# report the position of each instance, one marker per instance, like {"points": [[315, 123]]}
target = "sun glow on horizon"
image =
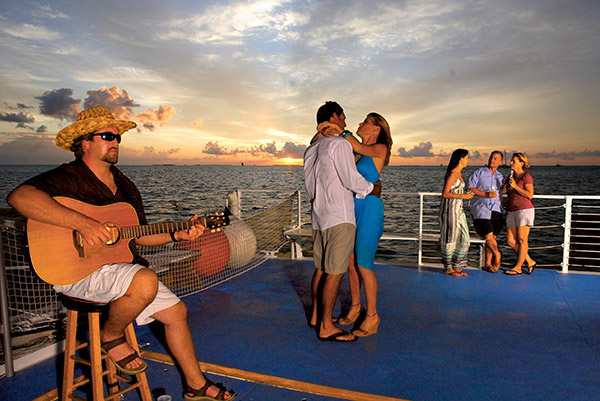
{"points": [[291, 161]]}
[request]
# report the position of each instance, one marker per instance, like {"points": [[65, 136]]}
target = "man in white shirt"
{"points": [[331, 181]]}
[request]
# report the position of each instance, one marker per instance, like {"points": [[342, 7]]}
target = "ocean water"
{"points": [[172, 193]]}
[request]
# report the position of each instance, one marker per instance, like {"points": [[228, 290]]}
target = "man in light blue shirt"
{"points": [[331, 180], [486, 183]]}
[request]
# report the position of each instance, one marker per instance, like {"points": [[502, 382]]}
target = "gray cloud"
{"points": [[215, 149], [34, 150], [269, 150], [59, 103], [292, 150], [19, 118], [566, 155], [423, 149]]}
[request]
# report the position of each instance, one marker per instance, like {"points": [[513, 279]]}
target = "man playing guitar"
{"points": [[133, 290]]}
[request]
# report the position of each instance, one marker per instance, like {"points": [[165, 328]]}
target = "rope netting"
{"points": [[185, 267], [219, 255]]}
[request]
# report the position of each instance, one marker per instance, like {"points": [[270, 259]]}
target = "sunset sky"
{"points": [[226, 82]]}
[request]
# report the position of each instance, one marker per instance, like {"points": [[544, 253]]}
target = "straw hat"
{"points": [[90, 121]]}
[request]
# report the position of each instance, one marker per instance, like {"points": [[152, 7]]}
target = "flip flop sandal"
{"points": [[191, 394], [336, 337], [121, 364]]}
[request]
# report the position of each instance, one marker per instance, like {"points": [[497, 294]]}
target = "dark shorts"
{"points": [[485, 226]]}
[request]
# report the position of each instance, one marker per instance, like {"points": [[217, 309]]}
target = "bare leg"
{"points": [[492, 251], [328, 299], [318, 274], [369, 325], [513, 239], [523, 245], [124, 310], [181, 345], [370, 282], [354, 282], [489, 254]]}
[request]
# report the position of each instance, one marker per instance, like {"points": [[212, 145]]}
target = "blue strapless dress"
{"points": [[369, 217]]}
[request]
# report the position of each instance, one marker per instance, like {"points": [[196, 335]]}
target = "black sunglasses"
{"points": [[109, 136]]}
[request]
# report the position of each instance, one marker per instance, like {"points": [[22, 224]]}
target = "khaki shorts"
{"points": [[332, 247], [111, 282]]}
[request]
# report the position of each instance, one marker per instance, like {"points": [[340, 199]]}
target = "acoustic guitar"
{"points": [[60, 256]]}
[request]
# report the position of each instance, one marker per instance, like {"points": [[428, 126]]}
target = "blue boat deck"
{"points": [[483, 337]]}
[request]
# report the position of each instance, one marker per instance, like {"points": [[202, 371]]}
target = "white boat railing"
{"points": [[581, 228]]}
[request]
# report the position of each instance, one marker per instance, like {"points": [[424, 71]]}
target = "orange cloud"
{"points": [[198, 123], [162, 115], [119, 102]]}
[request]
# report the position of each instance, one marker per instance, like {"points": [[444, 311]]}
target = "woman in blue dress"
{"points": [[373, 153]]}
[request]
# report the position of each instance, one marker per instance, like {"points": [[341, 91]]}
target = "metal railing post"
{"points": [[298, 246], [8, 356], [420, 255], [567, 237]]}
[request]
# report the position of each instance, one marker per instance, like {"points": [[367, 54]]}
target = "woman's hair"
{"points": [[386, 138], [523, 158], [454, 160]]}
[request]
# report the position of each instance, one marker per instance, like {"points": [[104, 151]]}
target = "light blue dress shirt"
{"points": [[484, 180]]}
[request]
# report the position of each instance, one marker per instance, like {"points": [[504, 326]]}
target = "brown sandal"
{"points": [[121, 364], [191, 394]]}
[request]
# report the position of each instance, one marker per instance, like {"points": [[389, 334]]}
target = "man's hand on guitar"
{"points": [[194, 232], [95, 233]]}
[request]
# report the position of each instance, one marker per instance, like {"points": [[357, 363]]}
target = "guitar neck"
{"points": [[158, 228]]}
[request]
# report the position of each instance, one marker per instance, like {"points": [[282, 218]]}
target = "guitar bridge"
{"points": [[78, 243]]}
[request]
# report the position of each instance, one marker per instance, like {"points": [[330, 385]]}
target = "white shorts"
{"points": [[111, 282], [520, 218]]}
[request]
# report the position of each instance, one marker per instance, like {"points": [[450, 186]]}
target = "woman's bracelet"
{"points": [[173, 237], [346, 133]]}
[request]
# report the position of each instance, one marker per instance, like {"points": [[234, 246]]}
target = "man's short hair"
{"points": [[495, 152], [326, 111]]}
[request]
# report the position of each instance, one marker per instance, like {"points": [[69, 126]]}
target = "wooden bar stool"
{"points": [[94, 310]]}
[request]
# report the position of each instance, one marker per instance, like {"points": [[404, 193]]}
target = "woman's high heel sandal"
{"points": [[351, 316], [368, 327]]}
